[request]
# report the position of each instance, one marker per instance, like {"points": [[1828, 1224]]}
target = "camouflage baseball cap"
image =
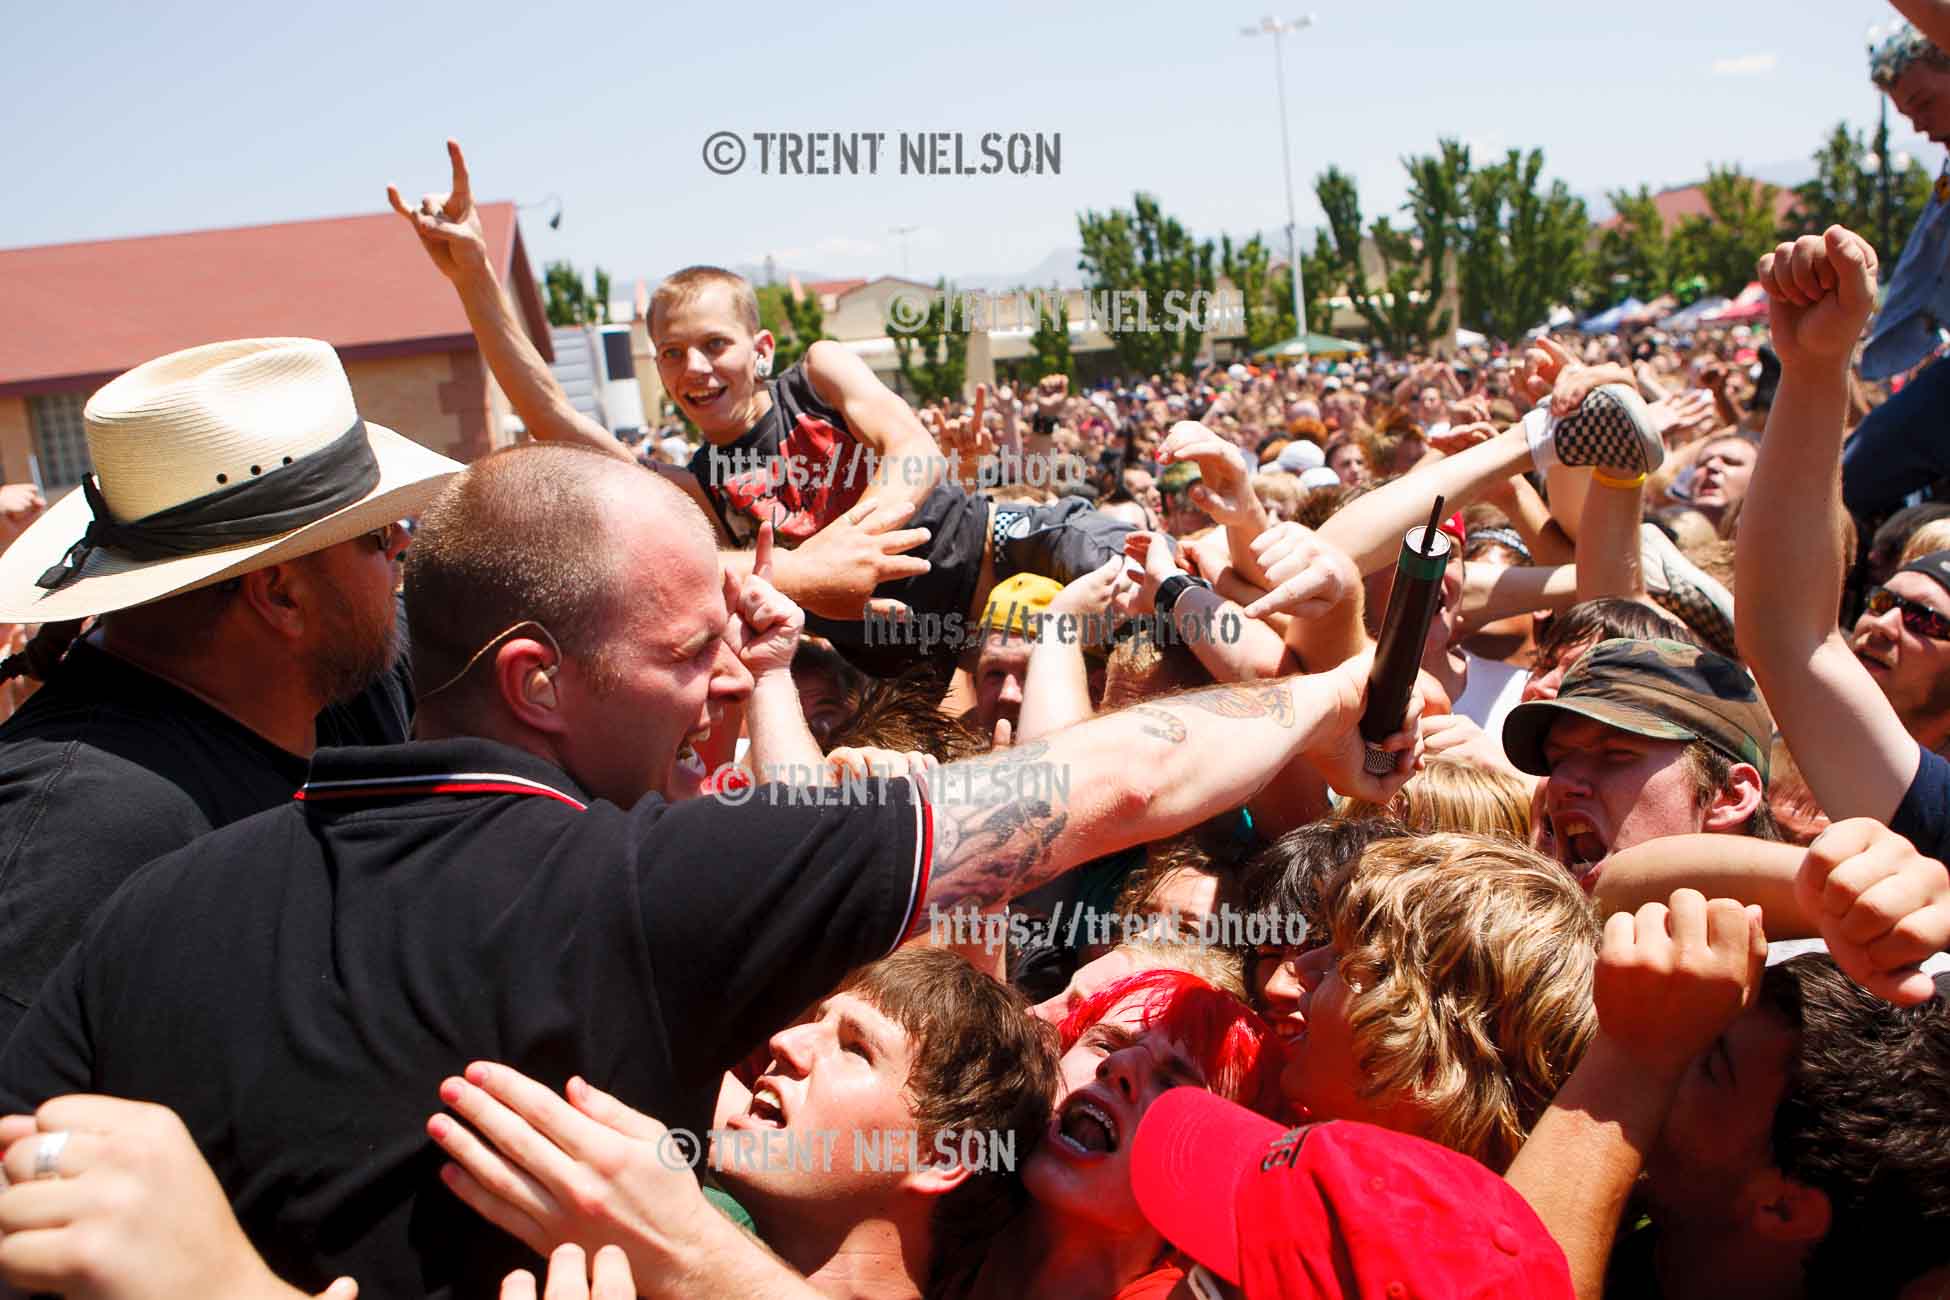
{"points": [[1178, 478], [1664, 689]]}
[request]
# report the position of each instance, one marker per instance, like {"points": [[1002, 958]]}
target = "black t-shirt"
{"points": [[297, 985], [108, 767], [801, 467]]}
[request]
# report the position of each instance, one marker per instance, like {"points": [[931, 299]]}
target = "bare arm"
{"points": [[1719, 866], [1668, 982], [1858, 758], [1490, 594], [1056, 688], [450, 230], [1608, 543], [1370, 527], [907, 464], [1013, 820]]}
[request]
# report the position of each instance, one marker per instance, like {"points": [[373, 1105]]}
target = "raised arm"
{"points": [[1853, 749], [1056, 687], [1370, 527], [1670, 979], [1010, 821], [450, 230]]}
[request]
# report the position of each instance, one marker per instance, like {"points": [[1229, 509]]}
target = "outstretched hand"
{"points": [[447, 224], [834, 572]]}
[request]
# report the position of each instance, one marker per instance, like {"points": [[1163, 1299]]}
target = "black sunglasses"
{"points": [[1917, 617]]}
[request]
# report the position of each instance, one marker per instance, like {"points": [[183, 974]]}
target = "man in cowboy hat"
{"points": [[238, 547]]}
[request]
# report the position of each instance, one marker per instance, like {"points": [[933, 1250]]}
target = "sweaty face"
{"points": [[835, 1080], [1717, 1134], [1912, 670], [1117, 1068], [707, 357], [1922, 94], [999, 675], [1612, 789], [633, 721]]}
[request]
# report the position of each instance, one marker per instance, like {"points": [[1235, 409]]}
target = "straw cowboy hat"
{"points": [[210, 463]]}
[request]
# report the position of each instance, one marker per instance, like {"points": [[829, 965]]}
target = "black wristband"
{"points": [[1042, 424], [1171, 589]]}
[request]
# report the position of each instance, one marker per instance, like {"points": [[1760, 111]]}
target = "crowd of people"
{"points": [[671, 872]]}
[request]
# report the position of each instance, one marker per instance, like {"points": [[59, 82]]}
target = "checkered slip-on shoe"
{"points": [[1687, 592], [1612, 430]]}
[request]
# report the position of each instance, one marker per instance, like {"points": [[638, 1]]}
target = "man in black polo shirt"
{"points": [[240, 545], [515, 886]]}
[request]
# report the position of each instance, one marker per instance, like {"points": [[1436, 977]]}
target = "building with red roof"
{"points": [[1675, 205], [73, 316]]}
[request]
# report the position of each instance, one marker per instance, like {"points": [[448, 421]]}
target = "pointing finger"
{"points": [[462, 197]]}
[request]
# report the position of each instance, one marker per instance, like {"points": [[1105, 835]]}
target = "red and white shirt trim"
{"points": [[400, 787]]}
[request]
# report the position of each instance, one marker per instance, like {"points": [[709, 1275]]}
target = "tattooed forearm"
{"points": [[983, 855], [1273, 701], [1165, 726]]}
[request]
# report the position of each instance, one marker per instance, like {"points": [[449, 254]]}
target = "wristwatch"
{"points": [[1171, 589]]}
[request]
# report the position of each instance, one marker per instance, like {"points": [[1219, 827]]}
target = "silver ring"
{"points": [[47, 1154]]}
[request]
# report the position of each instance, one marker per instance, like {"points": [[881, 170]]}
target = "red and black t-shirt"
{"points": [[801, 467], [297, 985]]}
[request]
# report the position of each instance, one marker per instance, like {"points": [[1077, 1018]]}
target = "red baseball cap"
{"points": [[1453, 526], [1334, 1210]]}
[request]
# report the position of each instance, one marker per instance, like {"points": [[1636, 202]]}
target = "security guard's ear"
{"points": [[524, 675]]}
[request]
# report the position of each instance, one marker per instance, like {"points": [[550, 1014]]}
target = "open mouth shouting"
{"points": [[1578, 843], [1085, 1128]]}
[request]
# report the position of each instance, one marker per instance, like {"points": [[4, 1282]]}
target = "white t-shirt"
{"points": [[1494, 688]]}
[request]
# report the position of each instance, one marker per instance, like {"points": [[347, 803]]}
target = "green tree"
{"points": [[1520, 248], [933, 357], [1723, 246], [1847, 190], [1406, 314], [1050, 343], [569, 301], [1151, 257], [1319, 283], [1635, 255], [1266, 298], [796, 323]]}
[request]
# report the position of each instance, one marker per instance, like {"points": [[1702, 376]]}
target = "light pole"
{"points": [[903, 232], [1276, 28]]}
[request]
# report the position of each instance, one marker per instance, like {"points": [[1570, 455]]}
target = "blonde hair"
{"points": [[684, 286], [1469, 965], [1280, 493], [1927, 540], [1222, 968], [1454, 794]]}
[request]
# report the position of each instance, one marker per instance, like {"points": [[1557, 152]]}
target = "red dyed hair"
{"points": [[1224, 1035]]}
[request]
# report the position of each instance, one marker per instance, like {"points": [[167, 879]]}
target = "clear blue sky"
{"points": [[130, 118]]}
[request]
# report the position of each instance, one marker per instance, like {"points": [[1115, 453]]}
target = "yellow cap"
{"points": [[1014, 601]]}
